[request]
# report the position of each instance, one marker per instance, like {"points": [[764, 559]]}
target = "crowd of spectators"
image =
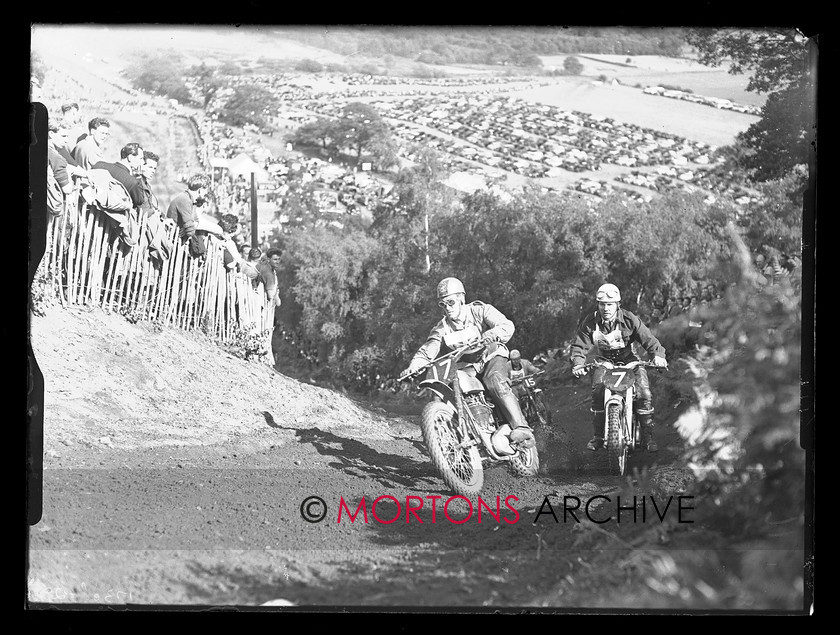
{"points": [[80, 151]]}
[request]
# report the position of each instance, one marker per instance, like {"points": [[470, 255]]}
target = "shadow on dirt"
{"points": [[358, 459], [494, 564]]}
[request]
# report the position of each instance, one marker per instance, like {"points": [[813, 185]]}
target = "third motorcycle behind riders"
{"points": [[462, 323], [612, 330]]}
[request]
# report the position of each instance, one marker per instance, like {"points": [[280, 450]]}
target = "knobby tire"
{"points": [[460, 468]]}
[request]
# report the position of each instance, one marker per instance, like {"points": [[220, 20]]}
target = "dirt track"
{"points": [[174, 474]]}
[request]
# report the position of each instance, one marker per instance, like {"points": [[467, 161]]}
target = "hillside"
{"points": [[174, 473]]}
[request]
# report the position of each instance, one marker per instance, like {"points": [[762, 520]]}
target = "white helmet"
{"points": [[608, 293], [448, 286]]}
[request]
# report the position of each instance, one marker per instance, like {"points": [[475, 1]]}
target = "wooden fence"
{"points": [[87, 263]]}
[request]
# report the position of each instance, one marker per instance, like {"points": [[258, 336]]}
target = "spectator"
{"points": [[230, 228], [126, 171], [62, 186], [252, 260], [73, 168], [182, 211], [150, 205], [267, 266], [91, 149], [248, 264], [71, 118], [244, 249]]}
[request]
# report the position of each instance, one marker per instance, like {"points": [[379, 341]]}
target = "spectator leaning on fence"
{"points": [[182, 211], [251, 262], [230, 227], [267, 266], [91, 149], [150, 205], [57, 162], [59, 183], [126, 171]]}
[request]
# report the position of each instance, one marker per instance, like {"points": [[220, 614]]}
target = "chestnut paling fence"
{"points": [[88, 263]]}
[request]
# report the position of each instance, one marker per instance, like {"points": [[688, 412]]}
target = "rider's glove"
{"points": [[489, 338], [578, 371], [413, 367], [660, 362]]}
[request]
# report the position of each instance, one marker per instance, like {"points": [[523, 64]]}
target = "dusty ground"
{"points": [[174, 474]]}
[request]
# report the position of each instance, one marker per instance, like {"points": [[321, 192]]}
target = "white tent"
{"points": [[245, 165]]}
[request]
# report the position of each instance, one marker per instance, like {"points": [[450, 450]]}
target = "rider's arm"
{"points": [[493, 322], [431, 347], [647, 339], [582, 343], [529, 368]]}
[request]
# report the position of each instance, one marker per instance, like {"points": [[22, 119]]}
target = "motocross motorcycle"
{"points": [[621, 430], [462, 429], [530, 400]]}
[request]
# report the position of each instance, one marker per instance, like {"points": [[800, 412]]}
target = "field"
{"points": [[627, 104]]}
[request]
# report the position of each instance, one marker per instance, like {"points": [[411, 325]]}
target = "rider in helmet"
{"points": [[612, 330], [463, 323], [520, 367]]}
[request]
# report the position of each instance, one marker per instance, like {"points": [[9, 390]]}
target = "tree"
{"points": [[782, 138], [360, 128], [160, 73], [572, 65], [207, 82], [779, 60], [322, 131], [249, 104], [309, 66]]}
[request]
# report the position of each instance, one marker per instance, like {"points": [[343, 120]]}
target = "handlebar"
{"points": [[605, 363], [454, 353], [524, 377]]}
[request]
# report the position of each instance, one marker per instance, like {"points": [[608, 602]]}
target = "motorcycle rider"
{"points": [[520, 367], [612, 330], [463, 323]]}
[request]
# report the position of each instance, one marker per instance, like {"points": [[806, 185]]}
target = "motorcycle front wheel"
{"points": [[615, 442], [459, 467], [525, 462]]}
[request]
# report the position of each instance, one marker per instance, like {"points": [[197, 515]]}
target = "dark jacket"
{"points": [[616, 343], [124, 176]]}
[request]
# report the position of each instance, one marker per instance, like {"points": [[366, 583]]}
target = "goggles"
{"points": [[445, 303]]}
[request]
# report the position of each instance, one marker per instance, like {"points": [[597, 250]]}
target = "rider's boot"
{"points": [[522, 434], [646, 432], [597, 441]]}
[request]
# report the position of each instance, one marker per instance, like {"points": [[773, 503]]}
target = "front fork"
{"points": [[629, 422]]}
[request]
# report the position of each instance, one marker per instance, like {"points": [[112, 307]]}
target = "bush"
{"points": [[572, 65]]}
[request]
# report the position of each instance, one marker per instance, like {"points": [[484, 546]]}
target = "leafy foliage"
{"points": [[360, 130], [160, 73], [249, 104], [249, 343], [488, 45], [572, 65], [778, 60]]}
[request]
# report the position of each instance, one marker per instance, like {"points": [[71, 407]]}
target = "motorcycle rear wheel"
{"points": [[615, 442], [460, 468]]}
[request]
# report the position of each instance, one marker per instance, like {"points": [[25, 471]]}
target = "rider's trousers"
{"points": [[496, 378]]}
